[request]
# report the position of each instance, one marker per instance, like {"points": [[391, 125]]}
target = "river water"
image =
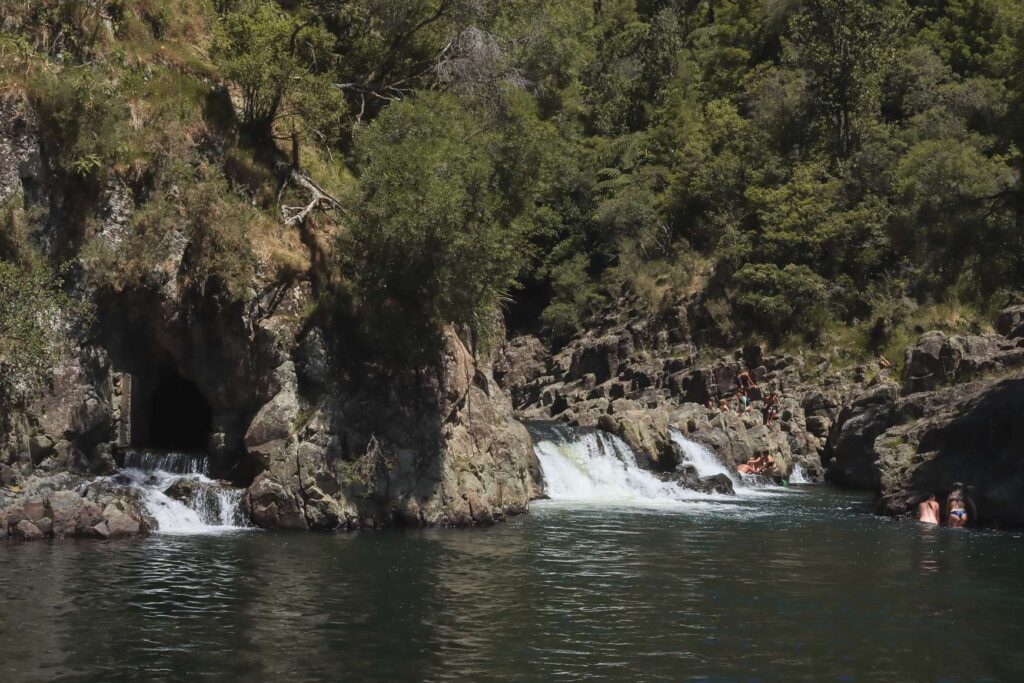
{"points": [[797, 583]]}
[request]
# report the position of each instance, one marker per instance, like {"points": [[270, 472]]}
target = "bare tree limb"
{"points": [[319, 199]]}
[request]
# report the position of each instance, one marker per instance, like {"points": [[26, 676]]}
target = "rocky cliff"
{"points": [[955, 420], [319, 439], [639, 377]]}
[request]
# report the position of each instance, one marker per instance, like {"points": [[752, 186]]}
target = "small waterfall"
{"points": [[798, 475], [590, 465], [703, 460], [198, 504], [172, 463]]}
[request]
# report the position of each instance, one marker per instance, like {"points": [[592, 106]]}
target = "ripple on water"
{"points": [[798, 585]]}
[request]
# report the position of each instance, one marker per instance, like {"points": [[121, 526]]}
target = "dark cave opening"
{"points": [[178, 418]]}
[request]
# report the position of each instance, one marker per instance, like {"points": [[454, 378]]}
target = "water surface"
{"points": [[801, 584]]}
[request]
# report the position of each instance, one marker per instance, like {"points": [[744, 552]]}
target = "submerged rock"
{"points": [[687, 477]]}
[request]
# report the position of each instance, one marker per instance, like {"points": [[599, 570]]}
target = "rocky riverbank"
{"points": [[321, 439], [952, 416], [955, 419]]}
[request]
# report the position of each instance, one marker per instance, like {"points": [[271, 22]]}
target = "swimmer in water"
{"points": [[928, 510]]}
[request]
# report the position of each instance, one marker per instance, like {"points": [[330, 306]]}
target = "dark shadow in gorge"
{"points": [[177, 418]]}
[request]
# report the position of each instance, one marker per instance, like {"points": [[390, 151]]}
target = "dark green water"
{"points": [[799, 586]]}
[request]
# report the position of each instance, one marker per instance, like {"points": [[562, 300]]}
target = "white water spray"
{"points": [[703, 460], [210, 508], [798, 476], [593, 466]]}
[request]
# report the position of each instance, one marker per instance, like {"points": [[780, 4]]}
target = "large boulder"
{"points": [[1010, 322], [939, 360], [270, 434], [850, 454], [65, 507], [116, 523], [966, 435], [445, 451]]}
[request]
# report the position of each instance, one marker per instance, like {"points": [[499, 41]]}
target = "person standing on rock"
{"points": [[928, 510]]}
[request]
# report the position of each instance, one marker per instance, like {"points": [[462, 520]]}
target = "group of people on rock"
{"points": [[957, 504], [743, 400], [759, 464]]}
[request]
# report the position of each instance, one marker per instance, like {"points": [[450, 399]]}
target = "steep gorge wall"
{"points": [[320, 443]]}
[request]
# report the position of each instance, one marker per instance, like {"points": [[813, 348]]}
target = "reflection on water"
{"points": [[800, 585]]}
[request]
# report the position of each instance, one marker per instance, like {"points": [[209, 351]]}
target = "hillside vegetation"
{"points": [[828, 172]]}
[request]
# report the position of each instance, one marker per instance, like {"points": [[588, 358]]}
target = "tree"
{"points": [[845, 45], [435, 241], [282, 65]]}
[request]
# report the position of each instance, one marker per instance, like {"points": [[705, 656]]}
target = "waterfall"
{"points": [[703, 460], [200, 505], [590, 465], [799, 476], [172, 463]]}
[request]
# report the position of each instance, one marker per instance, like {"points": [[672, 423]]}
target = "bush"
{"points": [[781, 301], [81, 120], [436, 241], [33, 312]]}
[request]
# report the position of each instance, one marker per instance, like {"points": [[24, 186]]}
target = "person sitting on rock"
{"points": [[957, 504], [742, 401], [756, 464], [723, 405], [746, 379], [928, 510]]}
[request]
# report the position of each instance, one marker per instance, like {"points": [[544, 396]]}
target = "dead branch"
{"points": [[319, 199]]}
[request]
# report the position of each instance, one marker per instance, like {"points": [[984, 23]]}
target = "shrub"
{"points": [[32, 314], [781, 301], [435, 242]]}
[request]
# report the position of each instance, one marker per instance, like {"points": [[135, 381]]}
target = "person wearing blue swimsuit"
{"points": [[957, 503]]}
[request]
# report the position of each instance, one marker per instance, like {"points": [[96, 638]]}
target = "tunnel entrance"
{"points": [[173, 415]]}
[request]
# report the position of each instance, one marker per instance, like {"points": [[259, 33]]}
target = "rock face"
{"points": [[639, 379], [968, 434], [455, 456], [940, 430], [851, 448], [937, 360]]}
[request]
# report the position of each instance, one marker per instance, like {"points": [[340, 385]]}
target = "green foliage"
{"points": [[844, 46], [281, 65], [808, 165], [574, 294], [437, 240], [196, 218], [33, 314], [82, 120], [782, 301]]}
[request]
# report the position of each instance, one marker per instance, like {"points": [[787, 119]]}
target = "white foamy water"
{"points": [[213, 508], [798, 476], [703, 460], [596, 467]]}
